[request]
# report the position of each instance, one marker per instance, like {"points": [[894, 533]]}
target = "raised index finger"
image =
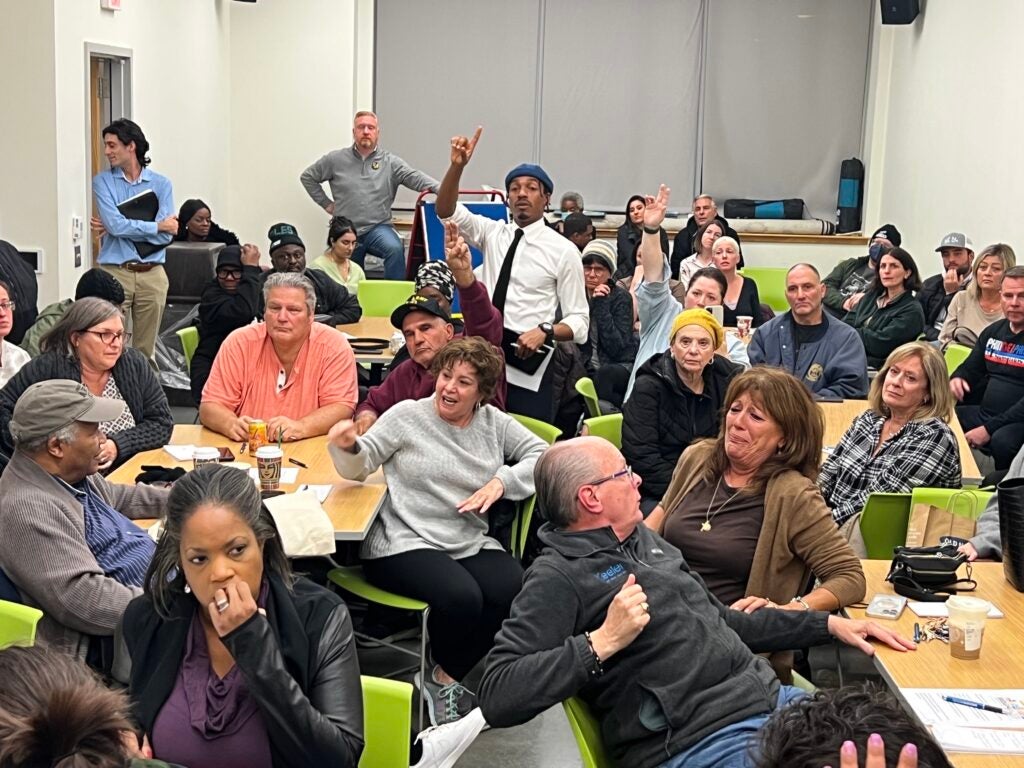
{"points": [[476, 137]]}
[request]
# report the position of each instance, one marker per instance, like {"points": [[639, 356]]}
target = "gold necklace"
{"points": [[708, 517]]}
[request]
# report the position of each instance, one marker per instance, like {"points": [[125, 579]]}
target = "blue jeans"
{"points": [[730, 747], [383, 242]]}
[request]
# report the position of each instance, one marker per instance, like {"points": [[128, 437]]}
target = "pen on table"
{"points": [[974, 704], [297, 463], [917, 632]]}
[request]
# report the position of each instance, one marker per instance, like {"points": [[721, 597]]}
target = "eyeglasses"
{"points": [[229, 274], [109, 337], [7, 306], [627, 472]]}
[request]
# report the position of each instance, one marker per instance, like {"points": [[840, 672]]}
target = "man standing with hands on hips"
{"points": [[531, 271], [124, 252]]}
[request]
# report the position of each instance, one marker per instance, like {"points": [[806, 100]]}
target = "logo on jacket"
{"points": [[375, 165], [610, 574], [814, 372]]}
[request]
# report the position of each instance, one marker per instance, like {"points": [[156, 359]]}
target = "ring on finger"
{"points": [[222, 605], [645, 607]]}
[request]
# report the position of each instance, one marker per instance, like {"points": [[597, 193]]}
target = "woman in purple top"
{"points": [[235, 662]]}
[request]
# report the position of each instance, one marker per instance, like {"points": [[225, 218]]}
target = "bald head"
{"points": [[805, 293]]}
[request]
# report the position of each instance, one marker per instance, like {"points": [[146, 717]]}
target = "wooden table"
{"points": [[931, 666], [351, 506], [371, 328], [839, 417]]}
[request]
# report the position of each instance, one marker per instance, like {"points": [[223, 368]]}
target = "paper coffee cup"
{"points": [[743, 323], [204, 454], [268, 464], [966, 625]]}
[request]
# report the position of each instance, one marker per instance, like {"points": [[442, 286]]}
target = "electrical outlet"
{"points": [[78, 256]]}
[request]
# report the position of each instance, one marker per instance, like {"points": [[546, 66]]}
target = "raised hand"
{"points": [[462, 148], [656, 208], [457, 255], [343, 434], [250, 255]]}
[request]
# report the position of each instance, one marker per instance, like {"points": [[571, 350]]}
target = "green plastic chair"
{"points": [[189, 336], [968, 502], [771, 285], [352, 580], [387, 720], [609, 427], [18, 624], [801, 682], [546, 432], [955, 354], [587, 731], [378, 298], [521, 526], [585, 386], [883, 523]]}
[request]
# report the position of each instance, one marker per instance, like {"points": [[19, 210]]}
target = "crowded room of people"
{"points": [[388, 383]]}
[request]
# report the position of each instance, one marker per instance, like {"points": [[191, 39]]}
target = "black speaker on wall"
{"points": [[899, 11]]}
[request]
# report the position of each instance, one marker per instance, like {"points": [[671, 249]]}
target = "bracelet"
{"points": [[598, 668], [652, 230], [802, 602]]}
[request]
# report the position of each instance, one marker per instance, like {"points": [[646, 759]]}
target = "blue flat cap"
{"points": [[534, 171]]}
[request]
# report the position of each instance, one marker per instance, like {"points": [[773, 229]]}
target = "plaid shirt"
{"points": [[924, 454]]}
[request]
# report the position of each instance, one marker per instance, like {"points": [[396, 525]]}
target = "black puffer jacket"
{"points": [[616, 341], [662, 417]]}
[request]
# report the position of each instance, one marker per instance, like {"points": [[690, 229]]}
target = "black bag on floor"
{"points": [[1011, 529]]}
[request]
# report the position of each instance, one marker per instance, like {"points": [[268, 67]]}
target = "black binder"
{"points": [[142, 207]]}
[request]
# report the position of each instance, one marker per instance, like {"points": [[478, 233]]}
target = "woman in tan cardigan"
{"points": [[746, 513]]}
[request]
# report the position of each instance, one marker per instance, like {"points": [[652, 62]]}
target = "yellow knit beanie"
{"points": [[701, 317]]}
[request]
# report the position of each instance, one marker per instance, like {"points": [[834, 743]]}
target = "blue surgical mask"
{"points": [[875, 252]]}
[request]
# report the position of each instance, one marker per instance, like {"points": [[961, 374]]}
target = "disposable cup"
{"points": [[966, 625], [743, 323], [204, 454], [268, 463]]}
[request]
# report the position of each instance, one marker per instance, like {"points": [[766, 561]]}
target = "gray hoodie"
{"points": [[986, 533]]}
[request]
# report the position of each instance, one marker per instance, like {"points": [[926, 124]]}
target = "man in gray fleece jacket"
{"points": [[610, 612], [65, 538]]}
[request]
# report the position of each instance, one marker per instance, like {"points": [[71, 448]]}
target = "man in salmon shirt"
{"points": [[297, 375]]}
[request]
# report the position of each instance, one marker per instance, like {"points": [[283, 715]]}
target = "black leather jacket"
{"points": [[299, 663]]}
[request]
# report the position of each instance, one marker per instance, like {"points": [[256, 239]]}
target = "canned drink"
{"points": [[397, 342], [257, 436]]}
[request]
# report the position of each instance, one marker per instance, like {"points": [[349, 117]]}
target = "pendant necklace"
{"points": [[708, 517]]}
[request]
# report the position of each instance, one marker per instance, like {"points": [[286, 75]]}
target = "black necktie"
{"points": [[501, 287]]}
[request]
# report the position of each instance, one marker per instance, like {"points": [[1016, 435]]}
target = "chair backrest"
{"points": [[955, 354], [387, 721], [189, 336], [378, 298], [883, 523], [546, 432], [189, 267], [521, 525], [587, 731], [18, 624], [958, 501], [609, 427], [771, 285], [585, 386]]}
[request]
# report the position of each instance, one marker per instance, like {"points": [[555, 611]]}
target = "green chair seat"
{"points": [[378, 298], [189, 336], [587, 731], [883, 523], [18, 624], [585, 386], [387, 721], [955, 355], [609, 427], [546, 432], [771, 285]]}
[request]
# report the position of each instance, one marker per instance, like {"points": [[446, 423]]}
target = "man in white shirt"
{"points": [[547, 278]]}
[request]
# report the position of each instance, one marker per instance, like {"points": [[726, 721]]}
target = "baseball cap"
{"points": [[229, 256], [48, 406], [956, 240], [417, 303]]}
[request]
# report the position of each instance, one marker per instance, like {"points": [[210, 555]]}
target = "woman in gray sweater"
{"points": [[447, 459]]}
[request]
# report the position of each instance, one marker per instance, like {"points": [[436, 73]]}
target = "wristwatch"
{"points": [[549, 332]]}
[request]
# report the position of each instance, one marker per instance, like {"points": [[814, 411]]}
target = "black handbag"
{"points": [[928, 574]]}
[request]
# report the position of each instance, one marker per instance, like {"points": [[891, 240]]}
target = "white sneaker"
{"points": [[444, 744]]}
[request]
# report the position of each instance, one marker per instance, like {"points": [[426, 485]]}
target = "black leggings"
{"points": [[468, 598]]}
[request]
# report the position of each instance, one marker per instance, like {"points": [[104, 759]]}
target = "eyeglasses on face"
{"points": [[7, 306], [627, 472], [109, 337], [229, 274]]}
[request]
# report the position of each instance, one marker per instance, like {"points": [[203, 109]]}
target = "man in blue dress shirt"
{"points": [[143, 277]]}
